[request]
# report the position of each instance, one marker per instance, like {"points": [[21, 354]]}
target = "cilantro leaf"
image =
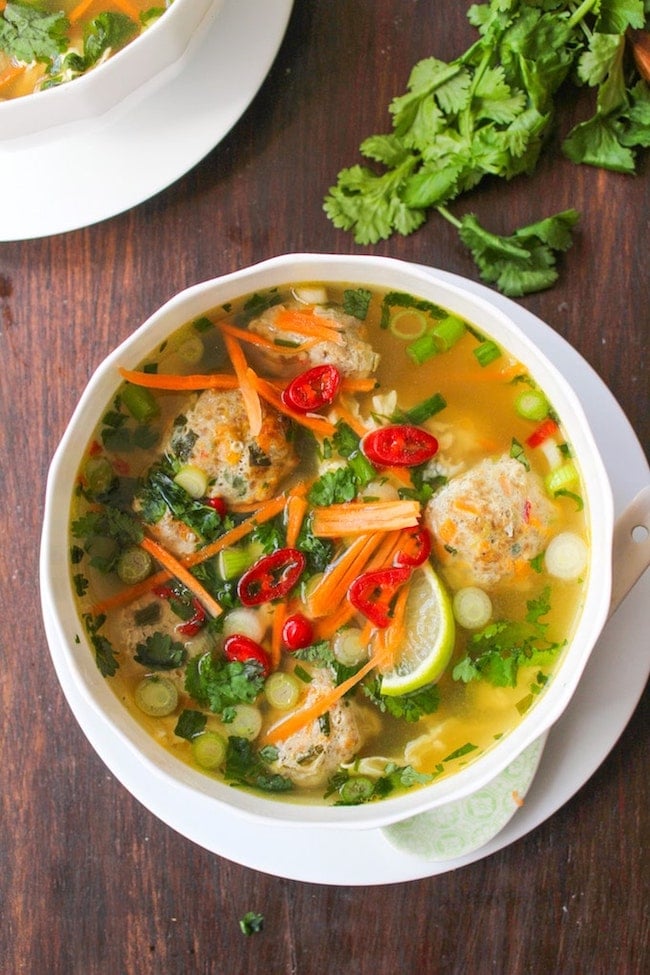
{"points": [[160, 652], [220, 684], [246, 766], [407, 707], [30, 34]]}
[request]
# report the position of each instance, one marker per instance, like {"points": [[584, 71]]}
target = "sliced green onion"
{"points": [[566, 556], [156, 696], [531, 404], [209, 750], [310, 294], [98, 475], [140, 402], [487, 352], [448, 331], [408, 324], [561, 477], [356, 789], [282, 691], [472, 608], [134, 565], [193, 480], [249, 622], [348, 647], [231, 562], [426, 409], [246, 722], [191, 350], [423, 348]]}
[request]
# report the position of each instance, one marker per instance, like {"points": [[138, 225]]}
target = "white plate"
{"points": [[603, 704], [97, 170]]}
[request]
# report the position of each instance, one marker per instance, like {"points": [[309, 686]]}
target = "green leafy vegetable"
{"points": [[408, 707], [190, 724], [28, 33], [105, 656], [246, 766], [219, 684], [487, 113], [160, 652]]}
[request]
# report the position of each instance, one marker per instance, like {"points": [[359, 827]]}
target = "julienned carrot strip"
{"points": [[280, 613], [245, 335], [299, 719], [306, 323], [296, 510], [390, 639], [247, 383], [178, 570], [128, 9], [352, 421], [79, 10], [316, 424], [360, 517], [11, 72], [155, 380], [125, 596], [333, 586], [351, 385]]}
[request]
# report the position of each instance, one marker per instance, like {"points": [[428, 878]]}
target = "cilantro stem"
{"points": [[444, 212], [581, 12]]}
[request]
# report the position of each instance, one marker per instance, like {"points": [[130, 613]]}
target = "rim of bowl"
{"points": [[67, 640], [132, 72]]}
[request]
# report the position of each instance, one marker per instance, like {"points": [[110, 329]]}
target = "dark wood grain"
{"points": [[91, 883]]}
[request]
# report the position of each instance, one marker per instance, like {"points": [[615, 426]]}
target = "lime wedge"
{"points": [[429, 638]]}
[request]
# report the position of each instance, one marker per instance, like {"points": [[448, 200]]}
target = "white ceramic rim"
{"points": [[133, 72], [68, 641]]}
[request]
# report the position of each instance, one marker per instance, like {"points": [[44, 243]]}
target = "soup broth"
{"points": [[329, 543], [44, 43]]}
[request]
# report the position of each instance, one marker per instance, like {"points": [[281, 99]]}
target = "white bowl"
{"points": [[149, 61], [70, 649]]}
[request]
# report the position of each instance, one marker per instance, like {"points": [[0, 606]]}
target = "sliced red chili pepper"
{"points": [[297, 632], [164, 592], [192, 626], [415, 546], [271, 577], [312, 390], [241, 648], [541, 433], [399, 445], [373, 592]]}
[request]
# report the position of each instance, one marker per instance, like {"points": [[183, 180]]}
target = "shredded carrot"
{"points": [[296, 510], [280, 614], [245, 335], [332, 588], [462, 504], [79, 10], [317, 424], [247, 384], [351, 385], [11, 72], [178, 570], [391, 639], [125, 596], [299, 719], [128, 9], [309, 324], [352, 421], [155, 380], [358, 517]]}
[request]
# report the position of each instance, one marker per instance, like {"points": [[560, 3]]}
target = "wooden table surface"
{"points": [[90, 881]]}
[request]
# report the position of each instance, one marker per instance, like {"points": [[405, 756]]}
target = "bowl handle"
{"points": [[631, 547]]}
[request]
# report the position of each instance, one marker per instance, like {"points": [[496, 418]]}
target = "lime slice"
{"points": [[430, 634]]}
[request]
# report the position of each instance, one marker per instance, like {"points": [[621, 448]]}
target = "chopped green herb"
{"points": [[251, 923]]}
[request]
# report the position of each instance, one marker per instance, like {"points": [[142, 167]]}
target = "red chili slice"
{"points": [[541, 433], [241, 648], [313, 389], [271, 577], [416, 546], [297, 632], [373, 592], [219, 506], [399, 445], [192, 626]]}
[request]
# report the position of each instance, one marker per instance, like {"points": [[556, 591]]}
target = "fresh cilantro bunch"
{"points": [[487, 113]]}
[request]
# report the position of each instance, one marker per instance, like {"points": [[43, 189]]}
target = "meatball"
{"points": [[312, 755], [488, 521], [353, 356], [214, 435]]}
